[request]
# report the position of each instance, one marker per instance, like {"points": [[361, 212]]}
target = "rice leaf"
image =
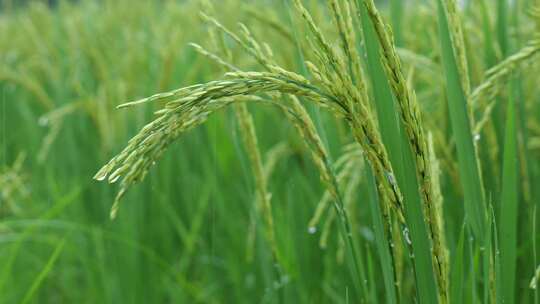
{"points": [[509, 202], [381, 242], [457, 276], [43, 273], [502, 26], [461, 129], [489, 54], [396, 12]]}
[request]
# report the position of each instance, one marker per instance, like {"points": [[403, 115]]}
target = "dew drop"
{"points": [[367, 233], [406, 235], [312, 230], [390, 177], [43, 121]]}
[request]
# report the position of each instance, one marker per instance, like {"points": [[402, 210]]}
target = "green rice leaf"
{"points": [[44, 272], [509, 202], [381, 242], [461, 130], [457, 274]]}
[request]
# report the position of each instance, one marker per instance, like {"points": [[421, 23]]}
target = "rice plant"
{"points": [[352, 151]]}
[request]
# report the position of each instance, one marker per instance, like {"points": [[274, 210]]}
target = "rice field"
{"points": [[287, 151]]}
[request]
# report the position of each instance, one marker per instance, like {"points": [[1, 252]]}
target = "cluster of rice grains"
{"points": [[336, 81]]}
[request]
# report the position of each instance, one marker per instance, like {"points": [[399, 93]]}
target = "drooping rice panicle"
{"points": [[495, 77], [184, 109]]}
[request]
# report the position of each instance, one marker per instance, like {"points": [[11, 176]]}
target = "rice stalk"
{"points": [[272, 157], [347, 179], [348, 201], [347, 164]]}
